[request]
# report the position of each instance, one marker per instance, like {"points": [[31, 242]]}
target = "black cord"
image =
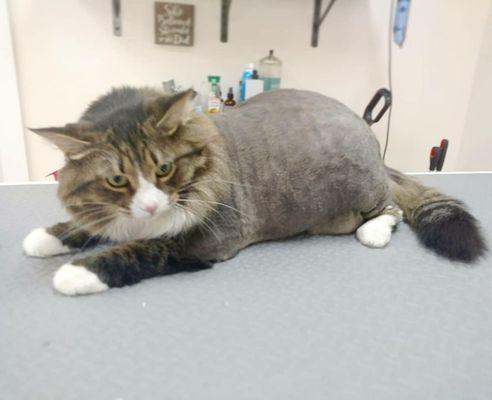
{"points": [[390, 74]]}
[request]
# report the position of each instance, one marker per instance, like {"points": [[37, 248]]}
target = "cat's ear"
{"points": [[71, 138], [171, 113]]}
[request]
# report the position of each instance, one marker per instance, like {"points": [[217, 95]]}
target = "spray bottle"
{"points": [[247, 74]]}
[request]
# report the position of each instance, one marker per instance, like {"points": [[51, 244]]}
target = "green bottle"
{"points": [[214, 101]]}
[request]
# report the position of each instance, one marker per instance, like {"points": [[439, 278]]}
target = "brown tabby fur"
{"points": [[195, 148]]}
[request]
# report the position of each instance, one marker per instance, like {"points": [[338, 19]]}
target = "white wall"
{"points": [[476, 143], [67, 55], [13, 162]]}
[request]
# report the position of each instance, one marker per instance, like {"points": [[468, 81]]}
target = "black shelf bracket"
{"points": [[116, 17], [224, 20], [318, 19]]}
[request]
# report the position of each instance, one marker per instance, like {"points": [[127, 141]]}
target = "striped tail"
{"points": [[442, 223]]}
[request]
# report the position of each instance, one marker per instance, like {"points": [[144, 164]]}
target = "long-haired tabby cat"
{"points": [[174, 191]]}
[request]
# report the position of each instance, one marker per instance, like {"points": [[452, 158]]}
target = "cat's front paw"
{"points": [[39, 243], [73, 280]]}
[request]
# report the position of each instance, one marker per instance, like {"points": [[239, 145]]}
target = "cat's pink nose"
{"points": [[150, 208]]}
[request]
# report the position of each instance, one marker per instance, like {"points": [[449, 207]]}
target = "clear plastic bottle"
{"points": [[270, 70]]}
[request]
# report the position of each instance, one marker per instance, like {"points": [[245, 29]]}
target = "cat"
{"points": [[175, 191]]}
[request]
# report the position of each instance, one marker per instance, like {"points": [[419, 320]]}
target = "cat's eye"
{"points": [[165, 169], [118, 180]]}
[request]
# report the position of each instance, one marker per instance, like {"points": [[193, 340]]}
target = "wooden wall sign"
{"points": [[174, 23]]}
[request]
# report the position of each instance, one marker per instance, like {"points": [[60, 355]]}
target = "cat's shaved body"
{"points": [[179, 189]]}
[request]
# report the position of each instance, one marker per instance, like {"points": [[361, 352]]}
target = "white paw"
{"points": [[377, 231], [72, 280], [40, 243]]}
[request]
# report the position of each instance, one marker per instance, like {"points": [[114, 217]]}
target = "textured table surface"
{"points": [[315, 318]]}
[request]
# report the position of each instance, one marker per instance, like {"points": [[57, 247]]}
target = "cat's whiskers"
{"points": [[82, 227], [124, 211], [100, 207], [79, 214], [214, 209], [73, 231], [193, 183], [202, 220], [84, 203], [217, 203], [94, 235], [194, 198], [88, 215], [86, 211]]}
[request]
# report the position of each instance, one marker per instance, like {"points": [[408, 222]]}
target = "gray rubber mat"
{"points": [[315, 318]]}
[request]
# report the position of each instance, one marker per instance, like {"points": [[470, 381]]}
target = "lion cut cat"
{"points": [[172, 190]]}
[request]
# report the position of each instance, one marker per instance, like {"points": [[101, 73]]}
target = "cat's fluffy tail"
{"points": [[442, 223]]}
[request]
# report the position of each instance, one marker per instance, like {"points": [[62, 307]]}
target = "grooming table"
{"points": [[313, 318]]}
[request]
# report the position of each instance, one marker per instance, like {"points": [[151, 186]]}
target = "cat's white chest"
{"points": [[170, 224]]}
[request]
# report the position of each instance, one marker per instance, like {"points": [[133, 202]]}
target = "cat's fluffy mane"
{"points": [[131, 132]]}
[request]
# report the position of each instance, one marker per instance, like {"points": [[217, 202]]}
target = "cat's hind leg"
{"points": [[343, 224], [376, 232]]}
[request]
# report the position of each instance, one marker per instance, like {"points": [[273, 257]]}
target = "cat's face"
{"points": [[161, 178]]}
